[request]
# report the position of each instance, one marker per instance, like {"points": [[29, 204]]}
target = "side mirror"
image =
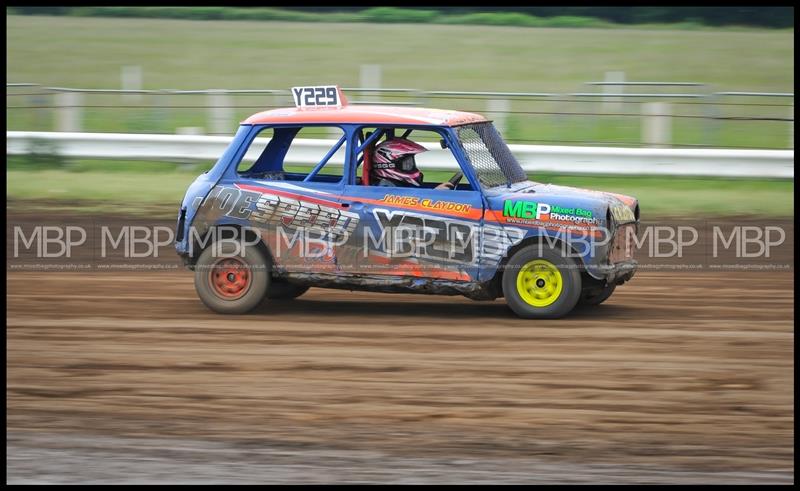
{"points": [[443, 143]]}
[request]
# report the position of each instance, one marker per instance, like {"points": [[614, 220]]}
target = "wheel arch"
{"points": [[496, 281], [203, 241]]}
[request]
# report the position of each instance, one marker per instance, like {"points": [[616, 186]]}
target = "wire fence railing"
{"points": [[605, 114]]}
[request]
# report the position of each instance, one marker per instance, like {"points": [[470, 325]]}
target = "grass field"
{"points": [[157, 188], [88, 52], [185, 54]]}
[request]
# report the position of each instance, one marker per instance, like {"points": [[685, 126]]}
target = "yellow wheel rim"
{"points": [[539, 283]]}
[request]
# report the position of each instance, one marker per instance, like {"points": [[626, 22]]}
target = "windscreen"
{"points": [[489, 155]]}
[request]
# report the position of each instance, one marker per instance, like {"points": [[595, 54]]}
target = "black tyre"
{"points": [[595, 292], [541, 283], [233, 279], [283, 290]]}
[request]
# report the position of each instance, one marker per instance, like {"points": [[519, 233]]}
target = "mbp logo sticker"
{"points": [[526, 210]]}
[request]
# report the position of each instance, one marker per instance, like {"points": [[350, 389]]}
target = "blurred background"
{"points": [[657, 77]]}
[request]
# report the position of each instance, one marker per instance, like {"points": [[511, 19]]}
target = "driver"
{"points": [[393, 164]]}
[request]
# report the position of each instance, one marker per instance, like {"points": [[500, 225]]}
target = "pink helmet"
{"points": [[394, 160]]}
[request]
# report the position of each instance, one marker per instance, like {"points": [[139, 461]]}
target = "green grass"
{"points": [[156, 189], [693, 197], [89, 52], [125, 189]]}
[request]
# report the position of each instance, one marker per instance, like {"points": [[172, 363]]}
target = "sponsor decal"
{"points": [[290, 213], [426, 203], [525, 209], [622, 213], [294, 213], [408, 234], [421, 236], [529, 212]]}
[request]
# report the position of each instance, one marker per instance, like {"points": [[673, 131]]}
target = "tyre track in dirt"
{"points": [[680, 377]]}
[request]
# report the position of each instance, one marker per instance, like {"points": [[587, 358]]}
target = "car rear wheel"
{"points": [[541, 283], [233, 279]]}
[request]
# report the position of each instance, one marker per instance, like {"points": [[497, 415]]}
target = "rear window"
{"points": [[292, 153]]}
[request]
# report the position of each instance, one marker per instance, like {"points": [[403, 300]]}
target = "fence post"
{"points": [[498, 111], [613, 103], [656, 131], [68, 114], [132, 80], [421, 97], [161, 111], [220, 112], [370, 77], [41, 115]]}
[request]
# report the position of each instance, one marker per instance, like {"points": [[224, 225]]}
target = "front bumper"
{"points": [[617, 274], [621, 265]]}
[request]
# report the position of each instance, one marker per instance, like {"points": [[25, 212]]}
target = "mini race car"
{"points": [[288, 207]]}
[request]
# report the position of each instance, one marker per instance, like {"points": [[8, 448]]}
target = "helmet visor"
{"points": [[406, 164]]}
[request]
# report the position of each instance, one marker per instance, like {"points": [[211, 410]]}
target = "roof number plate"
{"points": [[321, 96]]}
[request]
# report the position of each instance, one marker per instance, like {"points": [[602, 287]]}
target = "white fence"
{"points": [[534, 158], [641, 113]]}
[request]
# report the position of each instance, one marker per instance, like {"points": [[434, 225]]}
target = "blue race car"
{"points": [[331, 194]]}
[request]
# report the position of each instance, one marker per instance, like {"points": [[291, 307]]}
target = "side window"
{"points": [[294, 153], [247, 164], [419, 150], [310, 146]]}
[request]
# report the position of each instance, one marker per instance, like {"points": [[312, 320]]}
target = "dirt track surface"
{"points": [[126, 377]]}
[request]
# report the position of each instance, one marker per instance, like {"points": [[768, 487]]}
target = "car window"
{"points": [[436, 164], [310, 146], [490, 157], [292, 153], [256, 149]]}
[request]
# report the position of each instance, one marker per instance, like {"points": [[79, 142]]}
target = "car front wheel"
{"points": [[539, 282], [595, 292]]}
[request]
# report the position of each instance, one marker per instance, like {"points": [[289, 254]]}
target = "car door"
{"points": [[418, 232], [296, 184]]}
